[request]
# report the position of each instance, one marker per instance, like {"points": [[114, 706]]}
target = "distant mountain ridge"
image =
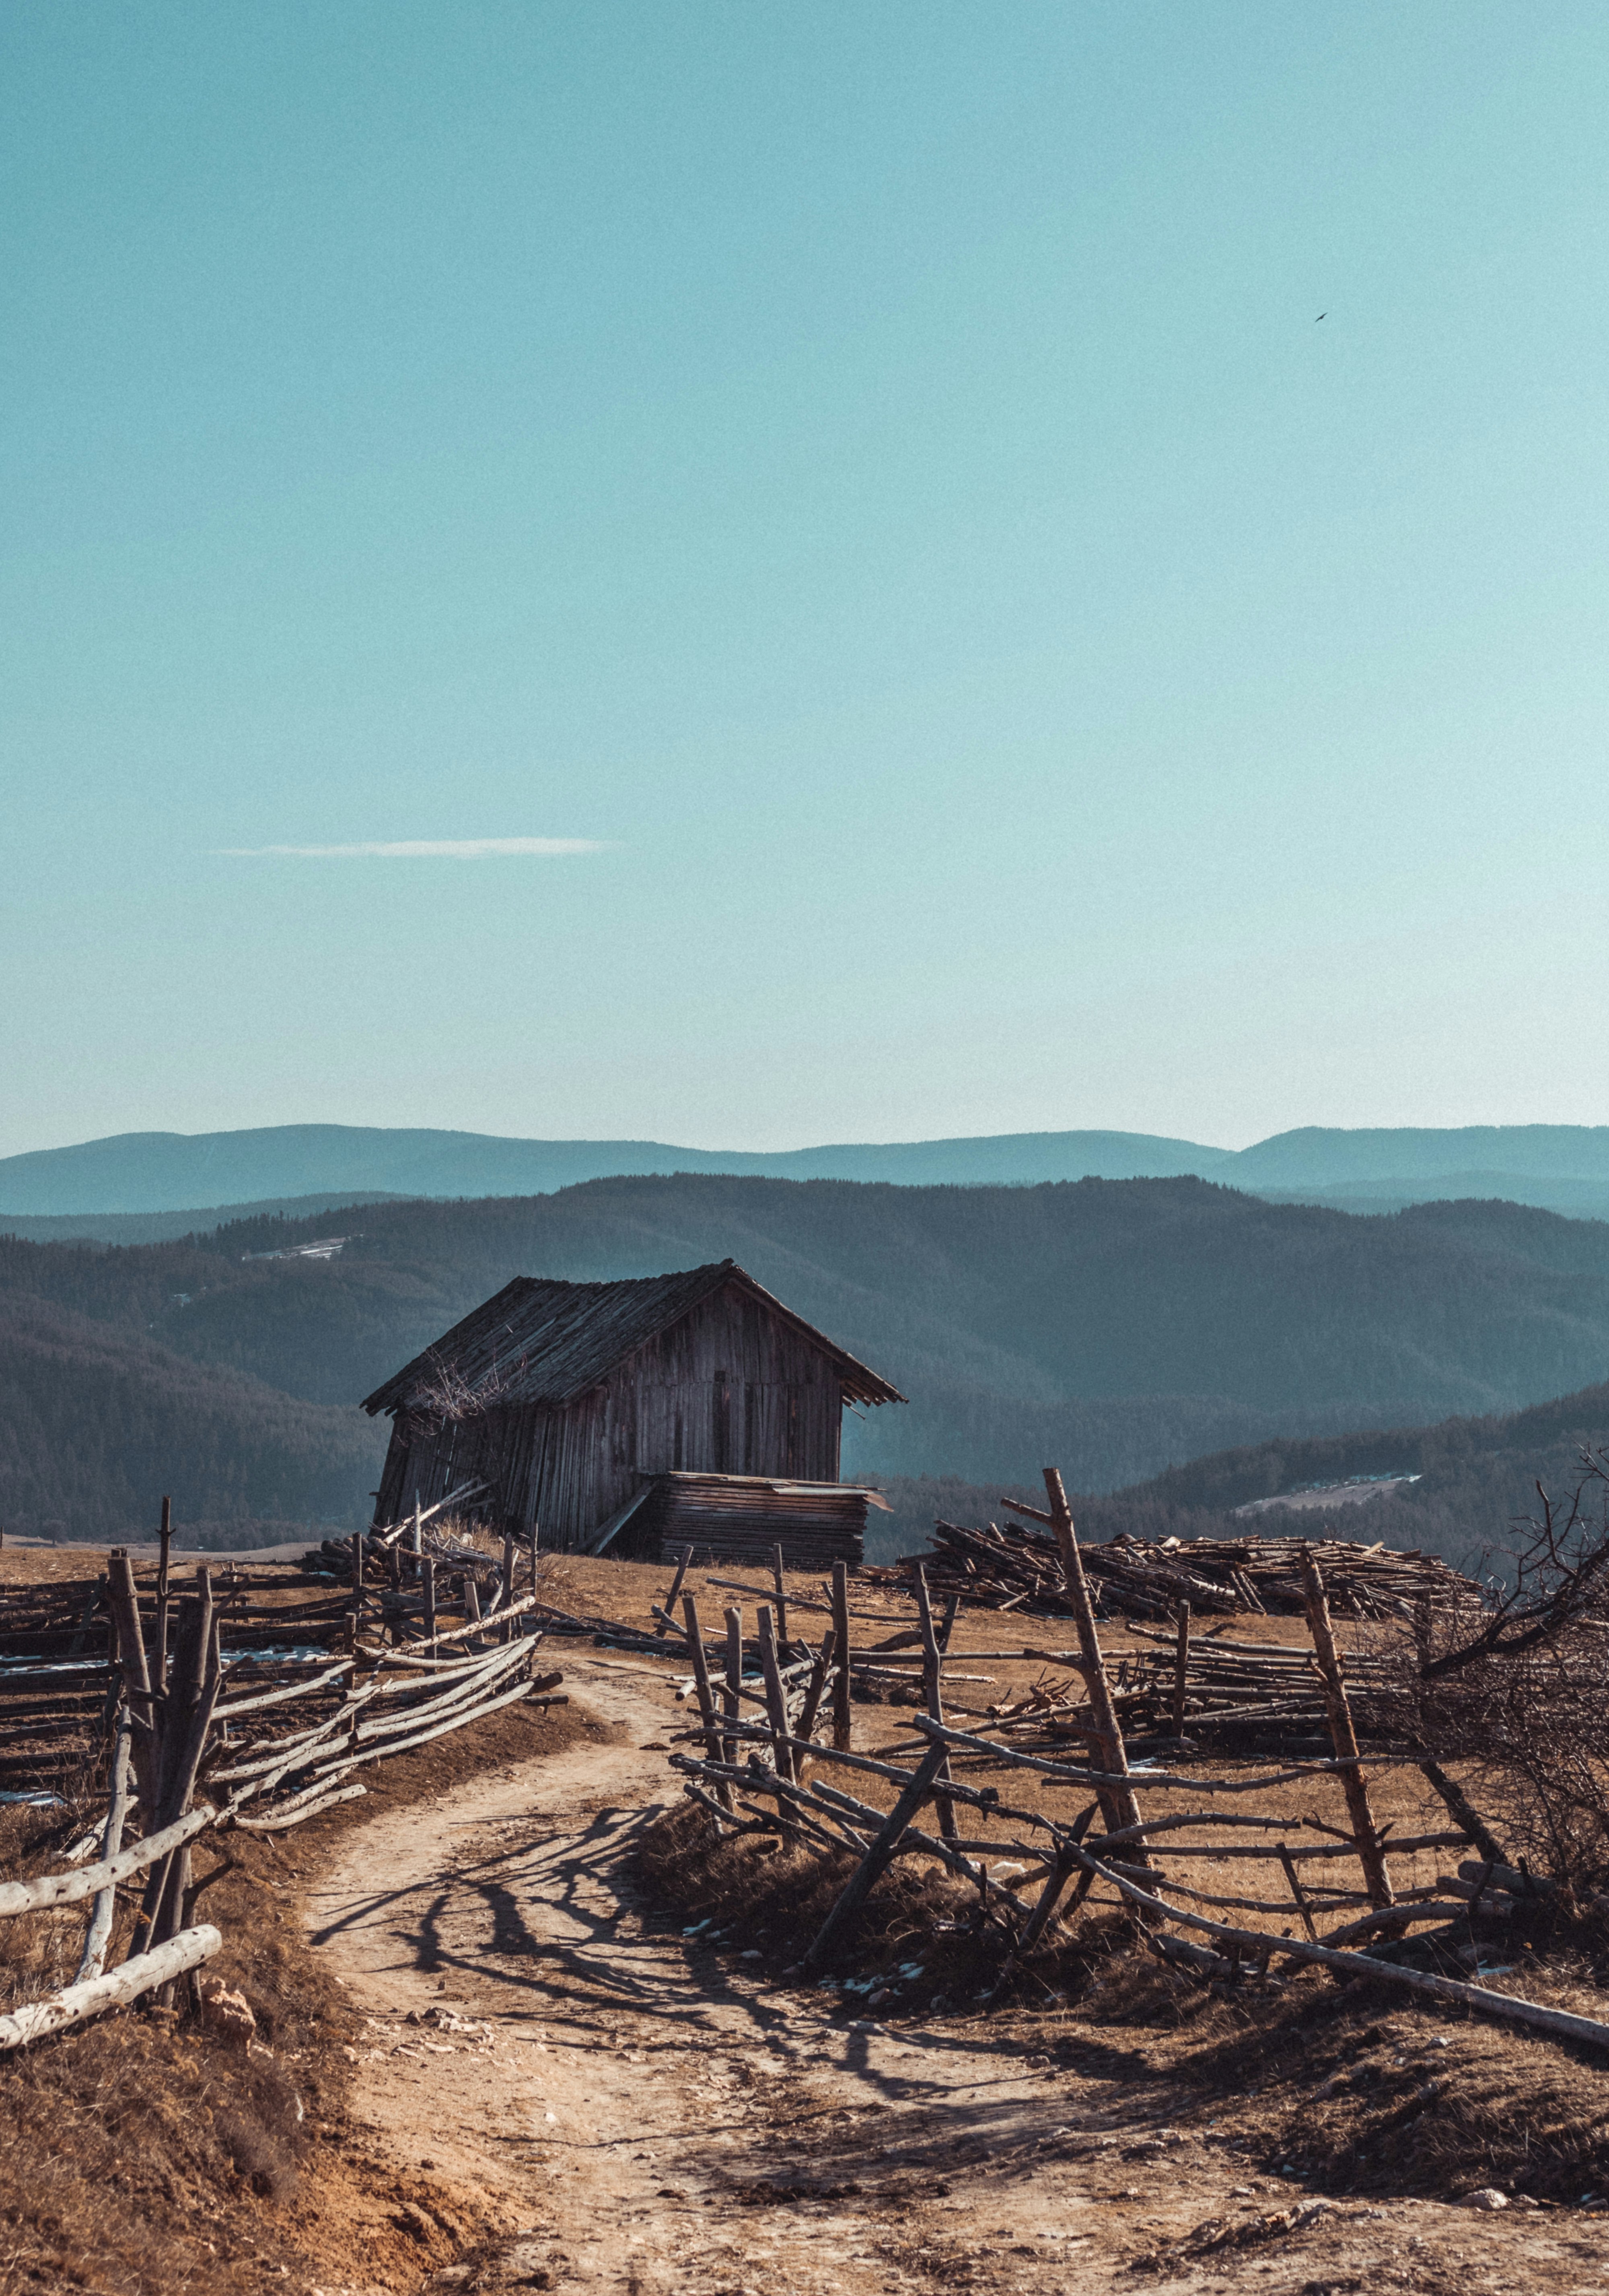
{"points": [[1557, 1167], [171, 1171]]}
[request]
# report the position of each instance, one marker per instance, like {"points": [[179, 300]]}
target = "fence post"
{"points": [[782, 1597], [667, 1609], [713, 1745], [135, 1673], [735, 1673], [1181, 1669], [932, 1685], [159, 1654], [877, 1859], [1371, 1851], [1119, 1805], [777, 1698], [842, 1721]]}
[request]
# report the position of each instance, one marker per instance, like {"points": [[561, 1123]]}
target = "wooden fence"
{"points": [[774, 1759], [224, 1697]]}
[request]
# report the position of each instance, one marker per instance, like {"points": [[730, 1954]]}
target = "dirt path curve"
{"points": [[638, 2116]]}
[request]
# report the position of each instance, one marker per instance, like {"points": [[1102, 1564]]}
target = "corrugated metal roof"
{"points": [[543, 1341]]}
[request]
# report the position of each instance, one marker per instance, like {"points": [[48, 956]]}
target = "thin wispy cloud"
{"points": [[422, 848]]}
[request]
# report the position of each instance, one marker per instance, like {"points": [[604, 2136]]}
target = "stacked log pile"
{"points": [[1018, 1567]]}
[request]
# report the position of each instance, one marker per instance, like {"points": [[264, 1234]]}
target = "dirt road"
{"points": [[628, 2111]]}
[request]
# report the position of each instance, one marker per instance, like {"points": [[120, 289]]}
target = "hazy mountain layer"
{"points": [[167, 1172], [1563, 1168]]}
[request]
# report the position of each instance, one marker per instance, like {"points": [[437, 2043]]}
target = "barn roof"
{"points": [[543, 1341]]}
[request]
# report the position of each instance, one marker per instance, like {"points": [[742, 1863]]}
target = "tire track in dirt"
{"points": [[636, 2114]]}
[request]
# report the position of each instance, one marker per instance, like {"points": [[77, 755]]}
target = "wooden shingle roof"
{"points": [[543, 1341]]}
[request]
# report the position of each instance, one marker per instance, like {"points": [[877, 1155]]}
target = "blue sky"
{"points": [[870, 486]]}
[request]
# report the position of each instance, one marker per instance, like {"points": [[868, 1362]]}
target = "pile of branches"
{"points": [[1019, 1568], [1514, 1693]]}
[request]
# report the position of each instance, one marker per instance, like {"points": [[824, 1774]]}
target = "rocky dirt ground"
{"points": [[613, 2104]]}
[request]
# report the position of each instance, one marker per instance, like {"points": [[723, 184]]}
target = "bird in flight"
{"points": [[1323, 315]]}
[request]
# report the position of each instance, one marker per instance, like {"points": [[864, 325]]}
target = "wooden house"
{"points": [[661, 1410]]}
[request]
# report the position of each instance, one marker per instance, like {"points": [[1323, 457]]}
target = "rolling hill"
{"points": [[104, 1186], [1112, 1326]]}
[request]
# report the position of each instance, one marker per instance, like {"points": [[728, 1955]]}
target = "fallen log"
{"points": [[1561, 2023]]}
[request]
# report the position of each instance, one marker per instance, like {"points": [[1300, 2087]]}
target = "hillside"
{"points": [[96, 1424], [1110, 1326], [1476, 1478]]}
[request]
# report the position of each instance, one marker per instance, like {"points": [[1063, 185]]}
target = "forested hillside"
{"points": [[1111, 1326], [1476, 1478], [96, 1424]]}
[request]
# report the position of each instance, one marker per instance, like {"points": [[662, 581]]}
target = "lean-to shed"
{"points": [[647, 1413]]}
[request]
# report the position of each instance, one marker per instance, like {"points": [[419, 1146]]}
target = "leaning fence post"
{"points": [[776, 1700], [932, 1662], [159, 1654], [842, 1720], [132, 1666], [880, 1854], [105, 1904], [667, 1617], [1118, 1803], [812, 1697], [782, 1597], [714, 1746], [1371, 1851], [1181, 1669], [735, 1673], [1297, 1891]]}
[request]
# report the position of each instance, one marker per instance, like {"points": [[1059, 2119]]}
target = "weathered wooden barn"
{"points": [[642, 1415]]}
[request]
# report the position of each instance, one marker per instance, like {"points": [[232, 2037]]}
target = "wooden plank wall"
{"points": [[729, 1391]]}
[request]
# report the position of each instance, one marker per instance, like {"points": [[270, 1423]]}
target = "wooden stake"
{"points": [[159, 1667], [878, 1857], [842, 1721], [427, 1574], [715, 1745], [735, 1673], [665, 1617], [782, 1597], [1467, 1816], [1371, 1851], [777, 1697], [932, 1686], [116, 1813], [812, 1700], [1118, 1805], [136, 1678], [1297, 1891], [1181, 1669]]}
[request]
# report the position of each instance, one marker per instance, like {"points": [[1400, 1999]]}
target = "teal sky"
{"points": [[871, 476]]}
